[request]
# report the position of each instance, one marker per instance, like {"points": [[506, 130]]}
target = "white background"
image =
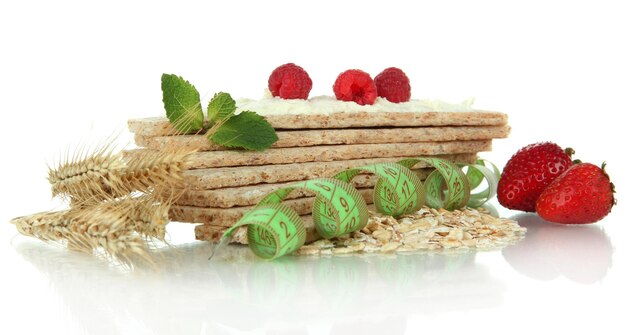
{"points": [[73, 72]]}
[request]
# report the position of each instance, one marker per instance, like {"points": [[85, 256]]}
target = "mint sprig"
{"points": [[221, 107], [182, 103], [247, 130]]}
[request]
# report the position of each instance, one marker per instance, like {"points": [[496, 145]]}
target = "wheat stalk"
{"points": [[46, 226], [144, 215], [102, 176], [117, 202], [110, 227], [105, 213], [86, 179], [101, 227], [153, 172]]}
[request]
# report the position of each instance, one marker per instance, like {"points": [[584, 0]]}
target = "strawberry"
{"points": [[583, 194], [529, 172]]}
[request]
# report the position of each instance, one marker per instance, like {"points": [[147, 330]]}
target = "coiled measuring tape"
{"points": [[274, 230]]}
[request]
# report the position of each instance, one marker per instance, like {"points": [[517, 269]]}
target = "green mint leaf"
{"points": [[246, 130], [221, 107], [182, 103]]}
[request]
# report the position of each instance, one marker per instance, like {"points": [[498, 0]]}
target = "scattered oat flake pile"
{"points": [[428, 229]]}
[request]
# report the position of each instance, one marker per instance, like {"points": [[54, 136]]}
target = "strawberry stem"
{"points": [[569, 152]]}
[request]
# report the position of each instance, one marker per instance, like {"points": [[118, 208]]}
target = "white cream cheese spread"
{"points": [[330, 105]]}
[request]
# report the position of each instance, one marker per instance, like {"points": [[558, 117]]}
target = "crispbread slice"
{"points": [[228, 216], [307, 138], [160, 126], [251, 195], [207, 232], [215, 178], [326, 153]]}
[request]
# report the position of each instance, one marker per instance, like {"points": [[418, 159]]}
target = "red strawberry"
{"points": [[529, 172], [394, 85], [583, 194], [289, 81], [357, 86]]}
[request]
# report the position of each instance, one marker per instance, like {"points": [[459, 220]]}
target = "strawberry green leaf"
{"points": [[182, 103], [247, 130], [221, 107]]}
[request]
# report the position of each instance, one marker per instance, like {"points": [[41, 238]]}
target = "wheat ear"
{"points": [[86, 178], [106, 213], [46, 226], [144, 214], [99, 227], [108, 226], [153, 172], [103, 176]]}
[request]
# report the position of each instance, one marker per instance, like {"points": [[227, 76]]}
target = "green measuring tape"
{"points": [[397, 191], [274, 230]]}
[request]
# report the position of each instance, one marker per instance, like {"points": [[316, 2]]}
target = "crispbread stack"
{"points": [[223, 184]]}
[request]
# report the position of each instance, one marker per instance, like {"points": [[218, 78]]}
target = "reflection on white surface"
{"points": [[581, 253], [239, 293], [366, 294]]}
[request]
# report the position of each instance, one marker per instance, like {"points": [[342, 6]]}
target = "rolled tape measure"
{"points": [[397, 191], [446, 187], [274, 230], [475, 175]]}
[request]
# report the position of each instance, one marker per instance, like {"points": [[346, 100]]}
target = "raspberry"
{"points": [[393, 85], [355, 85], [289, 81]]}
